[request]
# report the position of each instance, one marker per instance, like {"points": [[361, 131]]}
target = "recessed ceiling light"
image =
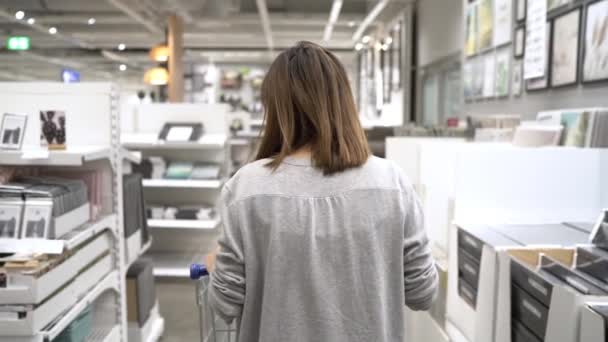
{"points": [[385, 47], [91, 21], [388, 40], [53, 30], [365, 39], [122, 67], [19, 15], [31, 21], [358, 46], [121, 46], [351, 24]]}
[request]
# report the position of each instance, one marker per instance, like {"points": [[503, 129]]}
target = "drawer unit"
{"points": [[593, 262], [470, 244], [543, 234], [529, 311], [467, 292], [594, 323], [531, 282], [468, 269], [570, 277], [519, 333]]}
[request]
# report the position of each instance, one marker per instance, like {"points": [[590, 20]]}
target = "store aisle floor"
{"points": [[178, 308]]}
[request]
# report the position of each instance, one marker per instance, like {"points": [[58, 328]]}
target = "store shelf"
{"points": [[239, 142], [151, 331], [143, 141], [144, 249], [109, 282], [72, 156], [174, 265], [185, 183], [104, 334], [184, 224], [134, 157], [71, 240]]}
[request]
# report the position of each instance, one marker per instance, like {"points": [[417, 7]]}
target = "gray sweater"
{"points": [[307, 257]]}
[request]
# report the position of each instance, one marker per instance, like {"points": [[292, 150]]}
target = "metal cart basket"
{"points": [[212, 327]]}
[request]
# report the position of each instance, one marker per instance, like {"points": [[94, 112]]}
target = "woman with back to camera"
{"points": [[321, 241]]}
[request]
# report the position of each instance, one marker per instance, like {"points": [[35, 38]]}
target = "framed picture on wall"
{"points": [[543, 81], [517, 78], [489, 75], [471, 36], [485, 28], [595, 45], [520, 14], [519, 45], [503, 72], [564, 53], [478, 77], [503, 21]]}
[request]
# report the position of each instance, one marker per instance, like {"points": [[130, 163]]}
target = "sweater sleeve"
{"points": [[420, 273], [227, 285]]}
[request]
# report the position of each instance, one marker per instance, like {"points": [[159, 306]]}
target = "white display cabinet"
{"points": [[89, 267]]}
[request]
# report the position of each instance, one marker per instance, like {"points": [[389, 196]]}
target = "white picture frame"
{"points": [[12, 131], [503, 22]]}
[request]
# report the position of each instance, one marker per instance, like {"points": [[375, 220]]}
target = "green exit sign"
{"points": [[18, 43]]}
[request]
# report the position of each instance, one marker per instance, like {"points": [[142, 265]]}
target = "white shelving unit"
{"points": [[173, 256], [184, 224], [100, 284], [178, 243]]}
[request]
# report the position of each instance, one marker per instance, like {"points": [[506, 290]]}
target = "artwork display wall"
{"points": [[575, 41]]}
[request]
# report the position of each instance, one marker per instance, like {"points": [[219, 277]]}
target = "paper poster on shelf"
{"points": [[53, 129], [503, 18], [535, 56], [489, 75]]}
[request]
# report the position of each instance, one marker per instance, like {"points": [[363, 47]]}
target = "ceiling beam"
{"points": [[334, 13], [135, 15], [263, 11]]}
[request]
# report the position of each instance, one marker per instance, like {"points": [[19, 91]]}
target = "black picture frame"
{"points": [[548, 67], [519, 54], [524, 4], [578, 45], [584, 47]]}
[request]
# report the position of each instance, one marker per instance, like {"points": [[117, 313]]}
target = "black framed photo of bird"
{"points": [[52, 129]]}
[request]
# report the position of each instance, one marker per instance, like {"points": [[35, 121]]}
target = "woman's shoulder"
{"points": [[386, 174]]}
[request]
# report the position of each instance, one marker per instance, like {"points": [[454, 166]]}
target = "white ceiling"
{"points": [[219, 30]]}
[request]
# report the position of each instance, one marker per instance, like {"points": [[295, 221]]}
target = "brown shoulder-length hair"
{"points": [[308, 103]]}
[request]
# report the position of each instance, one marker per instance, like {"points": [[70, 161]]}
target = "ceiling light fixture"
{"points": [[358, 46], [369, 19], [122, 67], [121, 47], [91, 21], [336, 7], [388, 40], [351, 24], [31, 21], [365, 39], [156, 76], [160, 53], [53, 30], [385, 47], [19, 15]]}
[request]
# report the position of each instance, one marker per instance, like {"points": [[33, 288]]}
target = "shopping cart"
{"points": [[212, 327]]}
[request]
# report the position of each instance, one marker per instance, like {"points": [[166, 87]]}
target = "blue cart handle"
{"points": [[197, 271]]}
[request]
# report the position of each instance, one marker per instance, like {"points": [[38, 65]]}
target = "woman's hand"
{"points": [[210, 259]]}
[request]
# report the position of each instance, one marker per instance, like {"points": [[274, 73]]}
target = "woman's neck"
{"points": [[303, 152]]}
